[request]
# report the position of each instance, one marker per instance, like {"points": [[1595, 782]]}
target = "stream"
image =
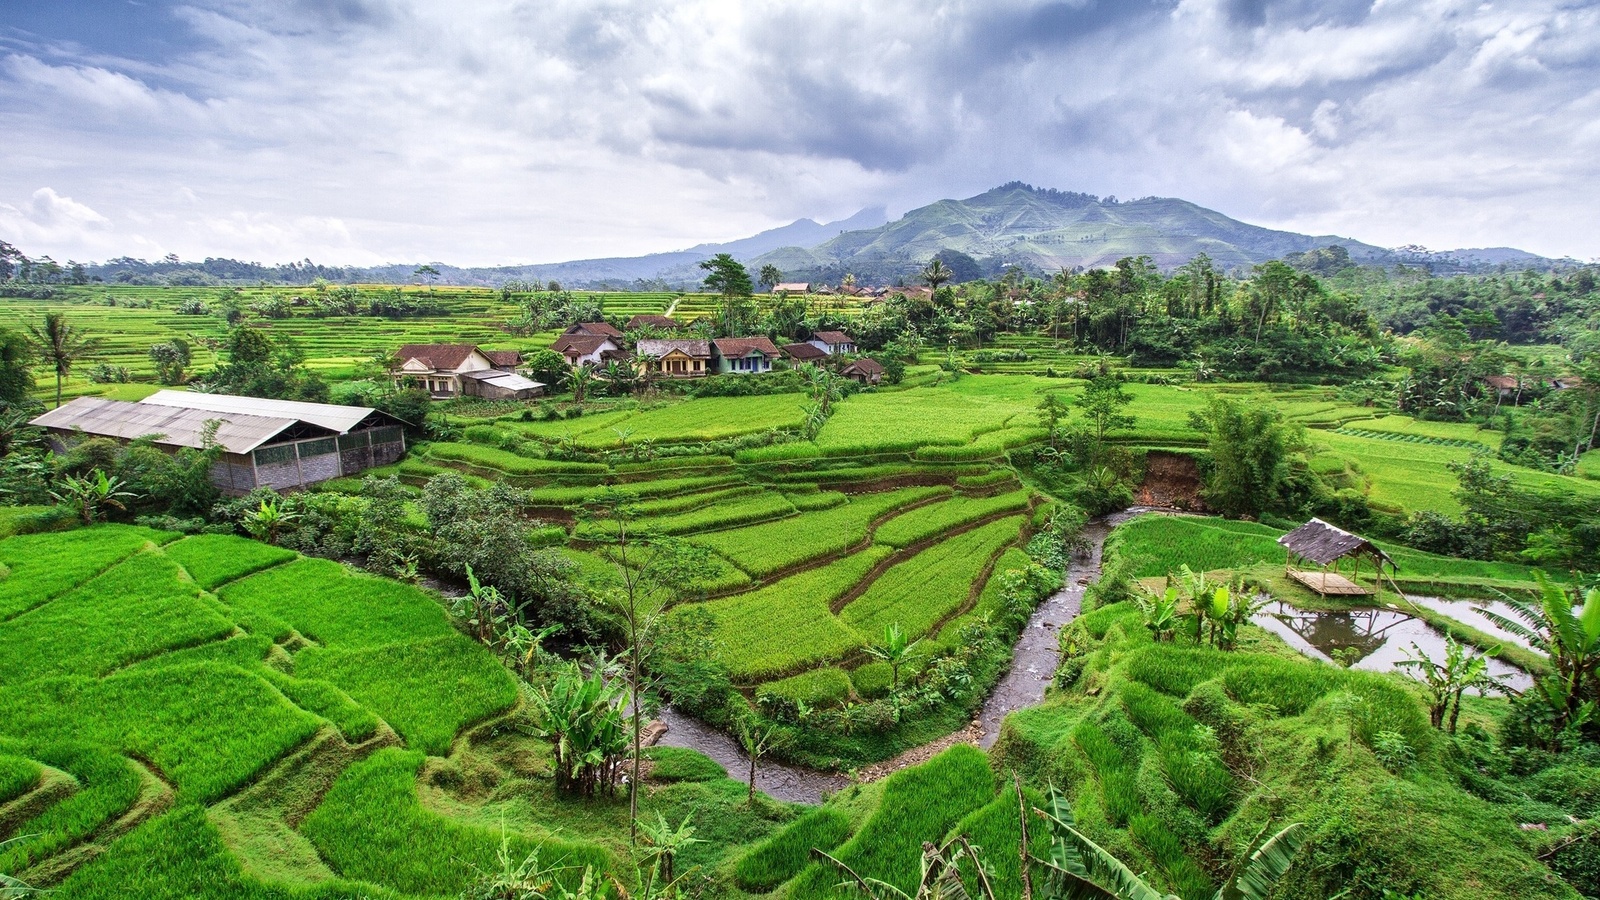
{"points": [[1033, 665]]}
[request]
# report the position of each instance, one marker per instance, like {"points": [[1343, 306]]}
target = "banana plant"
{"points": [[1160, 613], [941, 877], [894, 649], [92, 493], [1080, 869], [13, 888], [1566, 628]]}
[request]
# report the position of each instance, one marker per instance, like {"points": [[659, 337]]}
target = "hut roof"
{"points": [[1322, 543]]}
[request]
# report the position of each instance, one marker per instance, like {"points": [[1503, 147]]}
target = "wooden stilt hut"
{"points": [[1326, 546]]}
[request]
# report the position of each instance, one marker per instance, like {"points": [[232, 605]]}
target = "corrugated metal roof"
{"points": [[687, 346], [511, 381], [176, 426], [327, 415]]}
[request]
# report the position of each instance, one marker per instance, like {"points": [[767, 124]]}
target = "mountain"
{"points": [[679, 268], [1046, 231], [1039, 229]]}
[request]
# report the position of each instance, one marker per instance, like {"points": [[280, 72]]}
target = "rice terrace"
{"points": [[576, 518], [417, 677]]}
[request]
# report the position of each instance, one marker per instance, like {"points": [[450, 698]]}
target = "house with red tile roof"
{"points": [[744, 355], [447, 371]]}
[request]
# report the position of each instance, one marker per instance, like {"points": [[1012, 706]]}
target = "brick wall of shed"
{"points": [[319, 468], [278, 475], [384, 454], [233, 474]]}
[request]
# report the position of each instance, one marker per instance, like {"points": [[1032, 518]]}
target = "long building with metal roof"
{"points": [[262, 443]]}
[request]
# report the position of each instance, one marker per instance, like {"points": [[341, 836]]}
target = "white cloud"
{"points": [[500, 133]]}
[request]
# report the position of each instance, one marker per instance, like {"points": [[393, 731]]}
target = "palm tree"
{"points": [[936, 273], [894, 650], [60, 345], [1080, 869], [1554, 624]]}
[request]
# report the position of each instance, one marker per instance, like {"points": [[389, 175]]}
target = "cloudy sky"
{"points": [[365, 131]]}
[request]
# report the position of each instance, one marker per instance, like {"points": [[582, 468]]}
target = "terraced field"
{"points": [[338, 346], [211, 716]]}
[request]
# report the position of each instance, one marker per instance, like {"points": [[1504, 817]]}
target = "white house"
{"points": [[832, 343], [463, 370]]}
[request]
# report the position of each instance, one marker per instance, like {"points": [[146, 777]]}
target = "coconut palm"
{"points": [[1080, 869], [894, 649], [1566, 628], [60, 345], [936, 273]]}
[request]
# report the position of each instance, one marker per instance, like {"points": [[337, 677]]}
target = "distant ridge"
{"points": [[1039, 229]]}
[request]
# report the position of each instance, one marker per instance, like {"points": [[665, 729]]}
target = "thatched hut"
{"points": [[1326, 546]]}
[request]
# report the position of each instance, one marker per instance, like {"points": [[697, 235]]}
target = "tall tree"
{"points": [[653, 572], [60, 345], [727, 276], [16, 374], [1250, 447], [770, 276], [936, 273]]}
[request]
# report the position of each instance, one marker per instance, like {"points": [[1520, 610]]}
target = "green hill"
{"points": [[1050, 230]]}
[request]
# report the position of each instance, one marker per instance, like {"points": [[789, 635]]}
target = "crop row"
{"points": [[764, 549], [787, 624], [1412, 438], [759, 507], [918, 593], [938, 518]]}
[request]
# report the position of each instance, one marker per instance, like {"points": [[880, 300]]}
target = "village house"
{"points": [[446, 371], [792, 287], [593, 329], [865, 370], [263, 443], [589, 349], [747, 355], [832, 343], [803, 352], [660, 323], [674, 358]]}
